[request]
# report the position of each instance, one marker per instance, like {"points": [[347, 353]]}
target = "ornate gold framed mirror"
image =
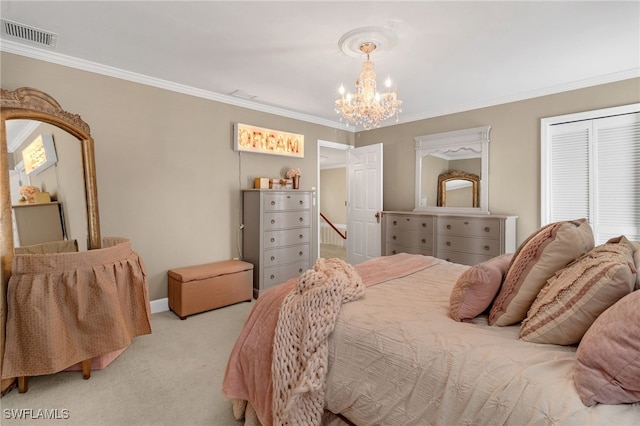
{"points": [[31, 104], [458, 189], [34, 105]]}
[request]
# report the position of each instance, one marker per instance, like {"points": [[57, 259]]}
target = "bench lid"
{"points": [[209, 270]]}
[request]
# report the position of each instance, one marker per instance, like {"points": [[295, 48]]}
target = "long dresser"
{"points": [[277, 235], [458, 238]]}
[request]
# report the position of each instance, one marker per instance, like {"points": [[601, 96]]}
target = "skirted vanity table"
{"points": [[64, 308], [451, 218]]}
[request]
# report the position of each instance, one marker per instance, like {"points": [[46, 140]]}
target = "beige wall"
{"points": [[333, 194], [169, 179], [167, 175], [514, 150]]}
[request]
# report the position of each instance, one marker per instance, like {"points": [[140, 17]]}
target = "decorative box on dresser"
{"points": [[460, 238], [276, 235]]}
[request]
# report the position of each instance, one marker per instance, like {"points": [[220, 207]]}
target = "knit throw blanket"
{"points": [[300, 348]]}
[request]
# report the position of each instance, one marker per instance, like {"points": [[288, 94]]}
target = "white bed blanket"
{"points": [[397, 358]]}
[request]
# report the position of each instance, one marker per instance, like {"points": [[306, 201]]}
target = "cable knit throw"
{"points": [[300, 348]]}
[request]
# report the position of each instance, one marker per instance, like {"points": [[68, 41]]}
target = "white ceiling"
{"points": [[450, 56]]}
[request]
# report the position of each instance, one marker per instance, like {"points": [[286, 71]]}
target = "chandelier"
{"points": [[368, 107]]}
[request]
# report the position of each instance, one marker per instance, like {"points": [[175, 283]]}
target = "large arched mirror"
{"points": [[31, 118], [36, 115], [439, 157]]}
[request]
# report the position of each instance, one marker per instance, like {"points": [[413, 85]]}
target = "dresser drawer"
{"points": [[483, 246], [390, 249], [279, 220], [410, 238], [286, 237], [469, 226], [463, 258], [416, 223], [283, 255], [287, 201], [275, 275]]}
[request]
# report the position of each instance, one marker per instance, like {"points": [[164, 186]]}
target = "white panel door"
{"points": [[364, 203]]}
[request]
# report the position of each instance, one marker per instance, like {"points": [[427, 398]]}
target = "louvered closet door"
{"points": [[617, 192], [594, 172], [569, 184]]}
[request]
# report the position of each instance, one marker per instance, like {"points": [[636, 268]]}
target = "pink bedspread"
{"points": [[248, 373]]}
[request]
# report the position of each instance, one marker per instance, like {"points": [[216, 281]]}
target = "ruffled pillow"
{"points": [[546, 251], [477, 287], [571, 301], [607, 368]]}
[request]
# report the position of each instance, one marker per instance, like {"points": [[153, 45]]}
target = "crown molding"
{"points": [[551, 90], [22, 135], [69, 61], [56, 58]]}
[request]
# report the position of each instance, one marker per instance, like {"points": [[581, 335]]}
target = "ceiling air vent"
{"points": [[29, 34]]}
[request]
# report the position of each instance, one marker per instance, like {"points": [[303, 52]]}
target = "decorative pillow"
{"points": [[477, 287], [572, 300], [546, 251], [636, 260], [608, 357]]}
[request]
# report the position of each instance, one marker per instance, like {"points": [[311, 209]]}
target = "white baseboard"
{"points": [[159, 305]]}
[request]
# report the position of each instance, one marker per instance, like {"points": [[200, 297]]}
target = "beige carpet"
{"points": [[329, 250], [171, 377]]}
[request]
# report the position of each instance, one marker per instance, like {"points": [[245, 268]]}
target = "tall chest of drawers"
{"points": [[465, 239], [276, 235]]}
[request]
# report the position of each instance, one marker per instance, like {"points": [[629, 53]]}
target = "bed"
{"points": [[395, 356]]}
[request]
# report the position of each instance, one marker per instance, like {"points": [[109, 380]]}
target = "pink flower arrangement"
{"points": [[29, 191], [293, 172]]}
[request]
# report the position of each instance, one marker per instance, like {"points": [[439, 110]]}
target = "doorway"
{"points": [[332, 199]]}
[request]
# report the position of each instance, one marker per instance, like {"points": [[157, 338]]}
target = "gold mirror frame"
{"points": [[443, 178], [27, 103]]}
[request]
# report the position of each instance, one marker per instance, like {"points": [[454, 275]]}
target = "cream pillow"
{"points": [[546, 251], [477, 287], [572, 299], [608, 357]]}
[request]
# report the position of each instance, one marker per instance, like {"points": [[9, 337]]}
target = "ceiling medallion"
{"points": [[367, 107]]}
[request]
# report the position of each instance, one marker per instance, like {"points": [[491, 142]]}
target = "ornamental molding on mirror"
{"points": [[248, 138]]}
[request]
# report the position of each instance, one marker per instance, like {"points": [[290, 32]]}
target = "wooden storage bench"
{"points": [[200, 288]]}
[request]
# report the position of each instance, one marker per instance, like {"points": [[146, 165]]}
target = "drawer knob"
{"points": [[393, 238], [273, 203], [395, 222], [487, 248], [301, 219], [300, 253], [487, 229], [448, 226], [273, 276], [301, 202], [273, 240], [407, 219], [273, 221], [394, 252], [448, 243], [448, 260], [300, 270], [273, 258], [424, 241], [424, 225], [300, 236]]}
